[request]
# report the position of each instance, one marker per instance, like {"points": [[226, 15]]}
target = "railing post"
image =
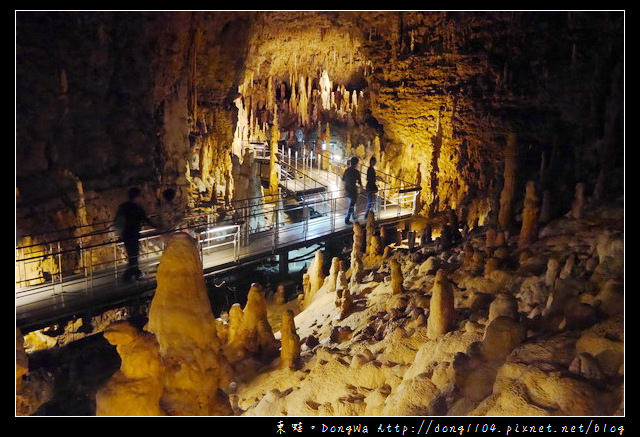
{"points": [[199, 240], [305, 216], [115, 260], [91, 267], [60, 266], [333, 214]]}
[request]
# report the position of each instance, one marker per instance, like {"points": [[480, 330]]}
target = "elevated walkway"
{"points": [[85, 277]]}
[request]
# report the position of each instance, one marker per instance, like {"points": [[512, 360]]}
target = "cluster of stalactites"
{"points": [[258, 104]]}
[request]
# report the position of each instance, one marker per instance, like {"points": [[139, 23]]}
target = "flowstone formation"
{"points": [[474, 330]]}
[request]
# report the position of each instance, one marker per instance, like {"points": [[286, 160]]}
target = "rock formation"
{"points": [[441, 309], [577, 207], [508, 189], [33, 389], [332, 279], [501, 336], [135, 389], [529, 230], [396, 277], [290, 352], [315, 279], [180, 317], [253, 336]]}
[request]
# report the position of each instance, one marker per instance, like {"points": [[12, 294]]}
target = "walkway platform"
{"points": [[42, 305]]}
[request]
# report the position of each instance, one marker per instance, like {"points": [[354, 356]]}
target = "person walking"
{"points": [[351, 177], [128, 223], [371, 187]]}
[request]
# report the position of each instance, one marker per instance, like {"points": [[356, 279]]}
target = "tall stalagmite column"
{"points": [[508, 189], [327, 152], [273, 169], [441, 308], [577, 207], [290, 352], [180, 316], [529, 231]]}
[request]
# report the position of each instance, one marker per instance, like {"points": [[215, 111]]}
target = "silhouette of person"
{"points": [[351, 177], [128, 223], [371, 186]]}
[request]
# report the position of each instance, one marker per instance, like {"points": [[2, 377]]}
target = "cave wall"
{"points": [[108, 100], [446, 90]]}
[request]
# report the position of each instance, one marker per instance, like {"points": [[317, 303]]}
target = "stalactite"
{"points": [[325, 90]]}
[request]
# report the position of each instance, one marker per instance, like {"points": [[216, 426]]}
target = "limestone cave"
{"points": [[319, 213]]}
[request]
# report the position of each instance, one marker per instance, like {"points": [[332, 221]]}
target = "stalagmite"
{"points": [[254, 336], [235, 321], [441, 308], [290, 352], [529, 231], [135, 389], [315, 273], [180, 317], [396, 277], [503, 305], [370, 226], [508, 189], [346, 304], [501, 336], [577, 207], [356, 250], [279, 296], [326, 139], [273, 164], [357, 271], [341, 281], [315, 278], [332, 279]]}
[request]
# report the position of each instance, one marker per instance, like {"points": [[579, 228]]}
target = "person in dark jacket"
{"points": [[371, 186], [129, 220], [351, 177]]}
